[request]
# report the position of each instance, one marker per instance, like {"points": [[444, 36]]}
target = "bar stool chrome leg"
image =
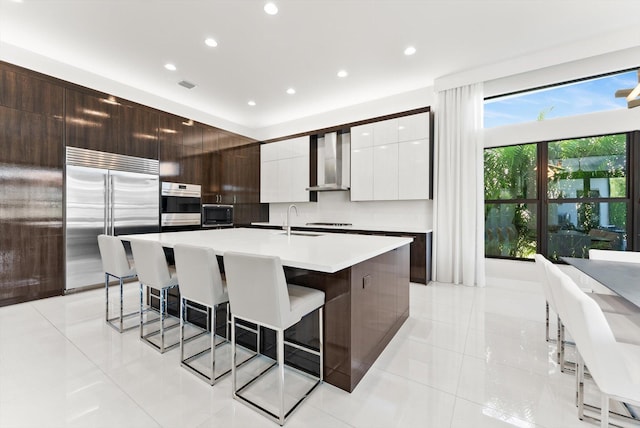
{"points": [[117, 322]]}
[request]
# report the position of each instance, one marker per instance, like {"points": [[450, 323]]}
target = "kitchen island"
{"points": [[365, 280]]}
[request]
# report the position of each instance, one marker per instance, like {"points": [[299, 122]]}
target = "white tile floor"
{"points": [[467, 357]]}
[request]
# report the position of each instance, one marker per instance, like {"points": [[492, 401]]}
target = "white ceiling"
{"points": [[259, 56]]}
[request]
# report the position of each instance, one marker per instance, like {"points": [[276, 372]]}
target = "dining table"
{"points": [[623, 278]]}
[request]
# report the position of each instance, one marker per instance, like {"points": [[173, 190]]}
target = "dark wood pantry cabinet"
{"points": [[31, 177]]}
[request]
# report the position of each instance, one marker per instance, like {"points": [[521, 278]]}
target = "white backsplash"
{"points": [[335, 207]]}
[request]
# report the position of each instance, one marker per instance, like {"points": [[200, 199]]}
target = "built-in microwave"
{"points": [[214, 215]]}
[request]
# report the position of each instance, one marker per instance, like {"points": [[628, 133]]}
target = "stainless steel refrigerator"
{"points": [[105, 193]]}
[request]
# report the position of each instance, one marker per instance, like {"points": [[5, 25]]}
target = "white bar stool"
{"points": [[201, 283], [115, 264], [259, 293], [153, 272]]}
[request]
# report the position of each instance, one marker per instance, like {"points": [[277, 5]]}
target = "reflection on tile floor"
{"points": [[467, 357]]}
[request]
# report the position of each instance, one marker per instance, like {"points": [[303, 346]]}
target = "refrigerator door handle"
{"points": [[106, 204], [112, 226]]}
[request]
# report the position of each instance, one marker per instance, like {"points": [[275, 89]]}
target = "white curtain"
{"points": [[458, 233]]}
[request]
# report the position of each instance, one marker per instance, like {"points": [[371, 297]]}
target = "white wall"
{"points": [[335, 207], [547, 61]]}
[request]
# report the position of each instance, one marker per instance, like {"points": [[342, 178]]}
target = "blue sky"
{"points": [[566, 100]]}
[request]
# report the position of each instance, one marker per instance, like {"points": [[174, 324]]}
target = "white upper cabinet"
{"points": [[284, 171], [385, 132], [361, 136], [414, 127], [385, 172], [269, 152], [390, 159], [413, 174], [361, 173]]}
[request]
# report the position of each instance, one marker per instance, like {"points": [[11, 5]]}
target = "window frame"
{"points": [[632, 197]]}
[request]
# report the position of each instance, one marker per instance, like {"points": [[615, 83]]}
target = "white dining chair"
{"points": [[153, 272], [550, 275], [259, 294], [115, 264], [202, 284], [624, 326], [614, 366], [548, 296]]}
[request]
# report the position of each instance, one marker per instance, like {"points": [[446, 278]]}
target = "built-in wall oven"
{"points": [[214, 215], [181, 205]]}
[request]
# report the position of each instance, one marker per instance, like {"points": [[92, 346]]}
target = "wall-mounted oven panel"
{"points": [[181, 205]]}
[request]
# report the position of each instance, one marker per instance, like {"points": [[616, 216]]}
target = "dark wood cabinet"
{"points": [[101, 122], [420, 255], [91, 121], [138, 133], [31, 234], [180, 150], [211, 182], [191, 154], [170, 148], [27, 93], [231, 175], [379, 307]]}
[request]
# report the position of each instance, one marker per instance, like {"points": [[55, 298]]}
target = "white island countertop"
{"points": [[322, 252]]}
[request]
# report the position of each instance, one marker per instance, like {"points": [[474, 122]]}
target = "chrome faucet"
{"points": [[288, 226]]}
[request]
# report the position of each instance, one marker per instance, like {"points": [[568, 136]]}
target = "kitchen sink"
{"points": [[302, 233]]}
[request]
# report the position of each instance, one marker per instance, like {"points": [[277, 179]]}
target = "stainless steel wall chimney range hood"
{"points": [[334, 151]]}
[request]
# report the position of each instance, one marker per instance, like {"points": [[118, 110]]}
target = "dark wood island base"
{"points": [[366, 304]]}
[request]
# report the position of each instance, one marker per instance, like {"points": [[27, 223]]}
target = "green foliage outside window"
{"points": [[593, 168], [509, 172]]}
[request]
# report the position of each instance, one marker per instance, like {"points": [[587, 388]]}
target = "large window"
{"points": [[568, 99], [511, 205], [558, 198]]}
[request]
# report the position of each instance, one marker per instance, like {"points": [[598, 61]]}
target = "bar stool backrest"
{"points": [[200, 279], [615, 256], [594, 338], [151, 263], [257, 289], [114, 258]]}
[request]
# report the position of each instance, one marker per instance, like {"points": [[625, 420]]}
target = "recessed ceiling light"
{"points": [[170, 67], [251, 103], [17, 1], [271, 8], [343, 73], [291, 91], [410, 50], [211, 42]]}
